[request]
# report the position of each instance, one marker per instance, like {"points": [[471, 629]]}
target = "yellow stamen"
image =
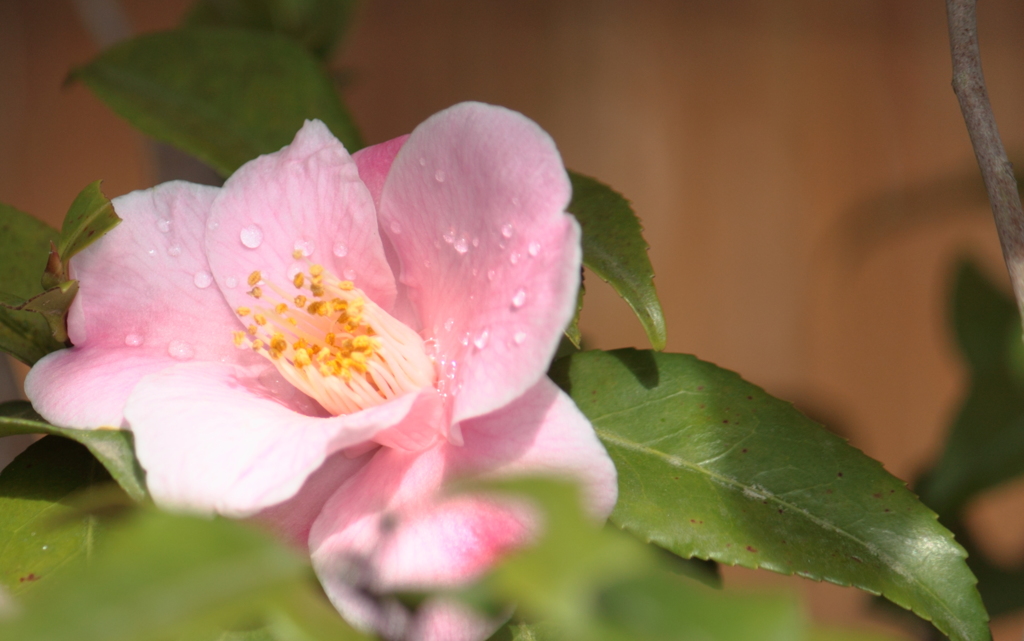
{"points": [[254, 278], [299, 280], [243, 311]]}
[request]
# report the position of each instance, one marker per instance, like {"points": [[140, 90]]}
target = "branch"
{"points": [[969, 86]]}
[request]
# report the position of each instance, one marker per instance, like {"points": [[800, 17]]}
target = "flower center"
{"points": [[333, 343]]}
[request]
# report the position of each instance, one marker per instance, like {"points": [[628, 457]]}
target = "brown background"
{"points": [[748, 134]]}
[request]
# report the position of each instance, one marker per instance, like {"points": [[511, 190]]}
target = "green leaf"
{"points": [[24, 247], [52, 306], [713, 467], [572, 332], [317, 25], [614, 248], [223, 95], [114, 449], [158, 576], [91, 215], [34, 489], [986, 442]]}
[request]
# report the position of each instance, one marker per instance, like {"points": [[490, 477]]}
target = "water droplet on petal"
{"points": [[515, 201], [350, 274], [519, 338], [465, 339], [534, 248], [174, 251], [133, 340], [491, 274], [513, 257], [396, 227], [439, 176], [202, 280], [481, 339], [212, 225], [180, 350], [152, 252], [252, 236], [462, 245], [476, 242], [163, 225], [506, 230], [293, 271], [519, 298], [449, 236], [448, 324], [340, 250], [423, 162], [304, 247], [231, 282]]}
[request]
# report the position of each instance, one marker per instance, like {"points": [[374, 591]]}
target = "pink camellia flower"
{"points": [[327, 341]]}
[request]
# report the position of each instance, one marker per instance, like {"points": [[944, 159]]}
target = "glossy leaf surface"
{"points": [[114, 449], [711, 466], [34, 489], [614, 248]]}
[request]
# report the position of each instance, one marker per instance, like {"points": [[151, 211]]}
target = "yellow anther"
{"points": [[280, 308], [329, 339], [254, 278], [256, 292], [239, 338], [257, 345], [301, 358], [300, 301], [260, 319], [314, 307], [314, 349], [338, 305], [278, 344], [346, 285], [243, 311], [316, 270], [317, 289], [297, 254], [299, 344], [299, 280], [253, 329], [361, 343], [293, 322]]}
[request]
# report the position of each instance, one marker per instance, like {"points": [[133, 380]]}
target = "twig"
{"points": [[969, 86]]}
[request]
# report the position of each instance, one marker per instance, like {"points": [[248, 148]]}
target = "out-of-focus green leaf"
{"points": [[572, 332], [599, 585], [317, 25], [158, 576], [114, 449], [223, 95], [986, 441], [614, 248], [52, 306], [34, 489], [91, 215], [835, 634], [24, 247], [713, 467]]}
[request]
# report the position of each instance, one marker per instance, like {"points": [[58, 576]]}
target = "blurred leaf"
{"points": [[159, 576], [91, 215], [24, 247], [34, 490], [986, 442], [832, 634], [572, 332], [52, 306], [317, 25], [114, 449], [614, 248], [713, 467], [223, 95], [592, 584]]}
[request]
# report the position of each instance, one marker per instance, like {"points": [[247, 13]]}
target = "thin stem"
{"points": [[969, 86]]}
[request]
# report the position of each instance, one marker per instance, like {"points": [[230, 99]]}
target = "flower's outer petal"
{"points": [[145, 299], [389, 527], [306, 197], [440, 619], [293, 519], [474, 204], [228, 439]]}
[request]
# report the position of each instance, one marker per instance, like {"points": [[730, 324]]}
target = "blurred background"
{"points": [[800, 167]]}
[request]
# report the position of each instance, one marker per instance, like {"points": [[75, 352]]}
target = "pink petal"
{"points": [[389, 527], [145, 301], [475, 206], [374, 163], [234, 440], [450, 620], [306, 197]]}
